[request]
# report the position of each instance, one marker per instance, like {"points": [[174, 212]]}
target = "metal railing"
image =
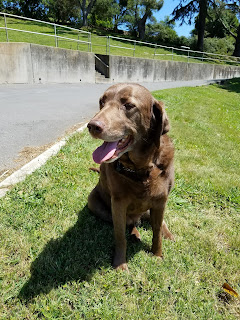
{"points": [[122, 43], [55, 35], [174, 52]]}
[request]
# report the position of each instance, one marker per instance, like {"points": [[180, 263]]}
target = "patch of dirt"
{"points": [[74, 128], [24, 156], [29, 153]]}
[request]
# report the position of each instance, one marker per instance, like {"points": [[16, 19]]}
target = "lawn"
{"points": [[55, 257], [99, 41]]}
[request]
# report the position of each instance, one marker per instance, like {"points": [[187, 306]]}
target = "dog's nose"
{"points": [[95, 127]]}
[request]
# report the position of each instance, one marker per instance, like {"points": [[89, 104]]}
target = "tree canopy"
{"points": [[215, 18], [139, 11]]}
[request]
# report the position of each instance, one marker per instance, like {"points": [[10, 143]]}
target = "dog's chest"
{"points": [[139, 196], [138, 206]]}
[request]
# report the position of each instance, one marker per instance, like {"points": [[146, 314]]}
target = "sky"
{"points": [[167, 9]]}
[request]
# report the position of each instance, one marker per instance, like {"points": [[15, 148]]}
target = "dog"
{"points": [[136, 165]]}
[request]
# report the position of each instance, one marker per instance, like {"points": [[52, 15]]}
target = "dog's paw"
{"points": [[135, 235], [159, 258], [169, 236], [122, 267]]}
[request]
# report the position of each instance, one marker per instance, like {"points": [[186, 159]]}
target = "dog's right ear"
{"points": [[159, 122]]}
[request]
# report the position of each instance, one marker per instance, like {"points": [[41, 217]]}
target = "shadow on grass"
{"points": [[84, 248], [232, 85]]}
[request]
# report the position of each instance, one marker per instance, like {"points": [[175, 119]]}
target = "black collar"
{"points": [[136, 175]]}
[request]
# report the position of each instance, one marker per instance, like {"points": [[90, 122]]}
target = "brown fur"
{"points": [[146, 177]]}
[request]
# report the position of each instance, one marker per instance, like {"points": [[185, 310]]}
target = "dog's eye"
{"points": [[101, 103], [128, 106]]}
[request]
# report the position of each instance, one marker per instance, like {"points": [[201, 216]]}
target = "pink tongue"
{"points": [[105, 151]]}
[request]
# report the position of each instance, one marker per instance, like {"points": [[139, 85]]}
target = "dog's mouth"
{"points": [[110, 151]]}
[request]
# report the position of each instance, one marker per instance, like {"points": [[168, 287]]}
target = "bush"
{"points": [[220, 46]]}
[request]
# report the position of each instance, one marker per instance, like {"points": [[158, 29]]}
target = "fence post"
{"points": [[109, 45], [172, 53], [89, 42], [55, 33], [155, 48], [5, 21], [188, 57], [134, 48], [106, 45]]}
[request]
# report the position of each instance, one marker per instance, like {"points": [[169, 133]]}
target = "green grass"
{"points": [[99, 41], [55, 257]]}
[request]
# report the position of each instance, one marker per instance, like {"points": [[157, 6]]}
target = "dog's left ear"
{"points": [[159, 121]]}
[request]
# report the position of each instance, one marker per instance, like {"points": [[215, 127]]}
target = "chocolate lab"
{"points": [[136, 172]]}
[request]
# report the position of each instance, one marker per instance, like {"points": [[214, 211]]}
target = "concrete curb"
{"points": [[34, 164]]}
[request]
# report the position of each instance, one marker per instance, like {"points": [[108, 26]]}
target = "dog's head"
{"points": [[129, 117]]}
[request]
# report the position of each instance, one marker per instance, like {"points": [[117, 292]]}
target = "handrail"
{"points": [[48, 35], [121, 47], [230, 59], [204, 55], [101, 61], [44, 22], [55, 35]]}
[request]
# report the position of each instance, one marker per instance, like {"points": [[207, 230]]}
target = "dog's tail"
{"points": [[95, 170]]}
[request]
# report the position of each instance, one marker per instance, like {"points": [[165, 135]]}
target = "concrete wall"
{"points": [[30, 63], [129, 69], [15, 64]]}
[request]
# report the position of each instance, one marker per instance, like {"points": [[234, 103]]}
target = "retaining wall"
{"points": [[31, 63], [129, 69]]}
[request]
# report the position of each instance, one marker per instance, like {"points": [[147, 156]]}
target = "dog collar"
{"points": [[136, 175]]}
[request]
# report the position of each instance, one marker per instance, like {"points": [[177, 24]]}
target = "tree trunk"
{"points": [[86, 10], [84, 14], [201, 23], [236, 52], [142, 26], [141, 30]]}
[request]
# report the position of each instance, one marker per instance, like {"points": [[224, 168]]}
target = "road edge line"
{"points": [[34, 164]]}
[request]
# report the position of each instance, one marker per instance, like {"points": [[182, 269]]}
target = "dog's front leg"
{"points": [[119, 224], [156, 219]]}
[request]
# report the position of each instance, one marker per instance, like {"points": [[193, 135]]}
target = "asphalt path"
{"points": [[38, 115]]}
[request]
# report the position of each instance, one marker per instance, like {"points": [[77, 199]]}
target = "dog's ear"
{"points": [[159, 122]]}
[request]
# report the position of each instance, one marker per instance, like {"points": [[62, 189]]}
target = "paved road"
{"points": [[36, 115]]}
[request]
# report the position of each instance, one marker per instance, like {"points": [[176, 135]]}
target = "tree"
{"points": [[236, 52], [32, 8], [219, 23], [235, 7], [62, 11], [86, 8], [139, 11], [187, 11], [104, 14], [232, 29], [28, 8], [162, 32], [121, 10]]}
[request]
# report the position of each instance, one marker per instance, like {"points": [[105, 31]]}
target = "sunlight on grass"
{"points": [[56, 257], [100, 44]]}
